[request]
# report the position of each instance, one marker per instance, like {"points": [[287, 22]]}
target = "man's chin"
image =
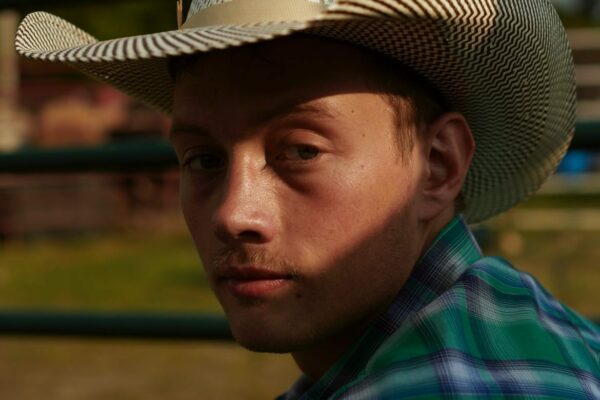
{"points": [[258, 347], [266, 343], [263, 339]]}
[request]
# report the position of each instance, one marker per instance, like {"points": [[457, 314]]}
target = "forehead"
{"points": [[291, 70], [298, 54]]}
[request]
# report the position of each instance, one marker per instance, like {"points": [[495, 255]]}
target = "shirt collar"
{"points": [[448, 257]]}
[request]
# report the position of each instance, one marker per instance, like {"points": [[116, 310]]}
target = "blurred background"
{"points": [[89, 222]]}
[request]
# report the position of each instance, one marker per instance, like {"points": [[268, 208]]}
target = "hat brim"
{"points": [[513, 82]]}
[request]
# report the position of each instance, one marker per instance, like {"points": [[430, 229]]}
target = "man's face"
{"points": [[294, 190]]}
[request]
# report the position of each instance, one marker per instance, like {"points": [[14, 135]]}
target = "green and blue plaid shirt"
{"points": [[467, 327]]}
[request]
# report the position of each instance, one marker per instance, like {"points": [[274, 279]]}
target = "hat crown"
{"points": [[200, 5], [205, 13]]}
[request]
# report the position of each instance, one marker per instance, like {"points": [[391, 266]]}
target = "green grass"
{"points": [[565, 201], [112, 272]]}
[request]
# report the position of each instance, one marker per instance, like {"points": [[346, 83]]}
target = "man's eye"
{"points": [[205, 162], [300, 153]]}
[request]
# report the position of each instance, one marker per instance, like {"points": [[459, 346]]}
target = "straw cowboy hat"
{"points": [[504, 64]]}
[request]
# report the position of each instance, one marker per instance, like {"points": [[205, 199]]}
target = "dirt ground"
{"points": [[32, 369]]}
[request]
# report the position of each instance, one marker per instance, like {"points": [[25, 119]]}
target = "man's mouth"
{"points": [[253, 282]]}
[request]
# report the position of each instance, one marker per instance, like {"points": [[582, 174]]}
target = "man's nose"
{"points": [[246, 211]]}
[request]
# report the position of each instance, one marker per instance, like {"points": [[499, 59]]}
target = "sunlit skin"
{"points": [[305, 215]]}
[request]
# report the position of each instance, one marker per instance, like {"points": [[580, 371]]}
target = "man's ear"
{"points": [[448, 147]]}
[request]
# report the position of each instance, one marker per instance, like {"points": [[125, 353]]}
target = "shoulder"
{"points": [[453, 374], [495, 332]]}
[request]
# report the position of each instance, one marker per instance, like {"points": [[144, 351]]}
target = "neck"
{"points": [[317, 360]]}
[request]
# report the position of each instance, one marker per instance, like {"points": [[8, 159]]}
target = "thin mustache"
{"points": [[256, 258]]}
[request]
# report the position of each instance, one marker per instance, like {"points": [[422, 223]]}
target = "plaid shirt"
{"points": [[467, 327]]}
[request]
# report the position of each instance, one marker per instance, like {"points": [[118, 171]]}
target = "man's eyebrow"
{"points": [[179, 128], [314, 109]]}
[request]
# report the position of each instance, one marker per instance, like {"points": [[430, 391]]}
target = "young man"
{"points": [[329, 166]]}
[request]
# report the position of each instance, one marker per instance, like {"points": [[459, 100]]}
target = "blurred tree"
{"points": [[590, 7], [579, 13]]}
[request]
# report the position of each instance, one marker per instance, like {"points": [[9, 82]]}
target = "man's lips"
{"points": [[252, 281]]}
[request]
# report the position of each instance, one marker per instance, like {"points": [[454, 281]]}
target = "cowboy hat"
{"points": [[505, 65]]}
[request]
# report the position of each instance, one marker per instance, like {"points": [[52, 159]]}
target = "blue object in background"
{"points": [[577, 161]]}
